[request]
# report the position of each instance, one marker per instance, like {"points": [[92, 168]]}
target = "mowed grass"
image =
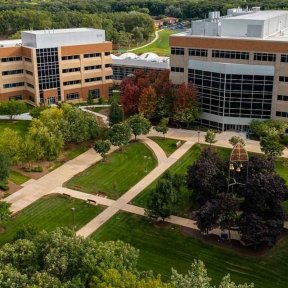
{"points": [[167, 144], [17, 177], [49, 213], [160, 46], [20, 126], [121, 171], [161, 249]]}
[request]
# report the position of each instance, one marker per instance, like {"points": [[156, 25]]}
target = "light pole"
{"points": [[73, 211], [198, 136]]}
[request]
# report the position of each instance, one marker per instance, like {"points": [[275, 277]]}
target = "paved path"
{"points": [[119, 204], [155, 39], [24, 116], [37, 189], [104, 117]]}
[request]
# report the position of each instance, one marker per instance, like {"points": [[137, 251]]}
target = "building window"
{"points": [[282, 114], [12, 72], [92, 55], [198, 52], [27, 59], [94, 67], [72, 96], [70, 70], [282, 98], [70, 57], [74, 82], [177, 51], [29, 72], [110, 92], [107, 53], [233, 95], [177, 69], [284, 58], [283, 78], [13, 85], [11, 59], [265, 57], [93, 79], [230, 54], [30, 85], [108, 77], [107, 65], [16, 97], [95, 93]]}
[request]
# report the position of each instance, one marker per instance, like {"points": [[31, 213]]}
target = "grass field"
{"points": [[120, 172], [160, 46], [167, 144], [49, 213], [19, 126], [17, 177], [161, 249]]}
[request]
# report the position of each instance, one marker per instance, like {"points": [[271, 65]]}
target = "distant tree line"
{"points": [[184, 8]]}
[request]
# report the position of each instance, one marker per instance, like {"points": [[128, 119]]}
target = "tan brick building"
{"points": [[239, 64], [51, 66]]}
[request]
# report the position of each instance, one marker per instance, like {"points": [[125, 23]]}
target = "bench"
{"points": [[178, 144], [91, 201]]}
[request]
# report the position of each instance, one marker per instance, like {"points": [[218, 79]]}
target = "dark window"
{"points": [[265, 57], [230, 54], [70, 70], [283, 78], [94, 67], [107, 65], [70, 57], [72, 96], [12, 85], [282, 98], [95, 93], [108, 77], [177, 69], [93, 79], [12, 59], [27, 59], [29, 72], [177, 51], [198, 52], [30, 85], [107, 53], [67, 83], [12, 72], [92, 55]]}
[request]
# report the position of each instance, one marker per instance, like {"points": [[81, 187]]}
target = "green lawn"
{"points": [[161, 249], [160, 46], [167, 144], [17, 177], [120, 172], [49, 213], [20, 126]]}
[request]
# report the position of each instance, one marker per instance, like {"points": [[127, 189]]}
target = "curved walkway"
{"points": [[104, 117], [154, 40]]}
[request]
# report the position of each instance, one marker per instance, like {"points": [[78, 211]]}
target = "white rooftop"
{"points": [[62, 37], [10, 43], [260, 15]]}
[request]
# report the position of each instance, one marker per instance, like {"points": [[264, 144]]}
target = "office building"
{"points": [[52, 66], [239, 64], [125, 64]]}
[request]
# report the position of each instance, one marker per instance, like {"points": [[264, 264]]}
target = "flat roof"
{"points": [[10, 43], [59, 31], [259, 15]]}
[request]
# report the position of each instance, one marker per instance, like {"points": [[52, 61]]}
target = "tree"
{"points": [[197, 277], [235, 140], [210, 137], [147, 102], [36, 111], [116, 113], [186, 108], [163, 199], [10, 144], [207, 216], [5, 212], [120, 135], [13, 108], [4, 166], [139, 125], [90, 99], [270, 144], [162, 126], [206, 177], [102, 147]]}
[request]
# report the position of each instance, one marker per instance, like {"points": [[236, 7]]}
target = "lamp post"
{"points": [[73, 212], [198, 136]]}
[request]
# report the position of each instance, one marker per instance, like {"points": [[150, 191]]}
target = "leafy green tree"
{"points": [[10, 144], [235, 140], [4, 212], [197, 277], [11, 277], [162, 126], [36, 111], [4, 166], [270, 144], [90, 100], [116, 113], [102, 147], [12, 108], [210, 137], [120, 135], [163, 199], [139, 125]]}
